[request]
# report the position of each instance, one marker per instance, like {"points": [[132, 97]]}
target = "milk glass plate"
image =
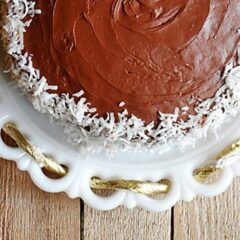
{"points": [[172, 165]]}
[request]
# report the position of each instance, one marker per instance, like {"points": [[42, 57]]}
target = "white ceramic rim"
{"points": [[173, 165]]}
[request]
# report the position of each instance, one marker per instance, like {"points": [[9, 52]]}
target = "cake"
{"points": [[127, 74]]}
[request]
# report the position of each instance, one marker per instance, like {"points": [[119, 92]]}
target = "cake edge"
{"points": [[107, 133]]}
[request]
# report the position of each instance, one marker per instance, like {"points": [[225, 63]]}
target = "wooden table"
{"points": [[28, 213]]}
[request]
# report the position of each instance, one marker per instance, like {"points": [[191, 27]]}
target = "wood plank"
{"points": [[27, 213], [209, 218], [124, 224]]}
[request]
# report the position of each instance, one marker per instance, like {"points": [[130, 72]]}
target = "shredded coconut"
{"points": [[81, 122], [122, 104]]}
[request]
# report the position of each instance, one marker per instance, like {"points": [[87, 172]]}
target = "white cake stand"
{"points": [[172, 165]]}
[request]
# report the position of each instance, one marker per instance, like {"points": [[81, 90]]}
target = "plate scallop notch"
{"points": [[164, 189], [207, 175], [103, 192], [213, 170], [54, 175], [8, 140]]}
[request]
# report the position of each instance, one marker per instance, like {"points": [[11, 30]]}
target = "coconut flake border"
{"points": [[108, 133]]}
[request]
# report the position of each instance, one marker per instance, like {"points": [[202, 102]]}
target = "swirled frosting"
{"points": [[153, 55]]}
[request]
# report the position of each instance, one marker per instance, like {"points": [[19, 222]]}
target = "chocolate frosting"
{"points": [[154, 55]]}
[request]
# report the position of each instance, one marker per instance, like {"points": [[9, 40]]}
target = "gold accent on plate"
{"points": [[142, 187], [22, 142]]}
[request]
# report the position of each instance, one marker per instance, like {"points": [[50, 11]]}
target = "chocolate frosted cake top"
{"points": [[127, 74]]}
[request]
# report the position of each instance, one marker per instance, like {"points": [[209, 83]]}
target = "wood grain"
{"points": [[209, 218], [27, 213], [123, 224]]}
